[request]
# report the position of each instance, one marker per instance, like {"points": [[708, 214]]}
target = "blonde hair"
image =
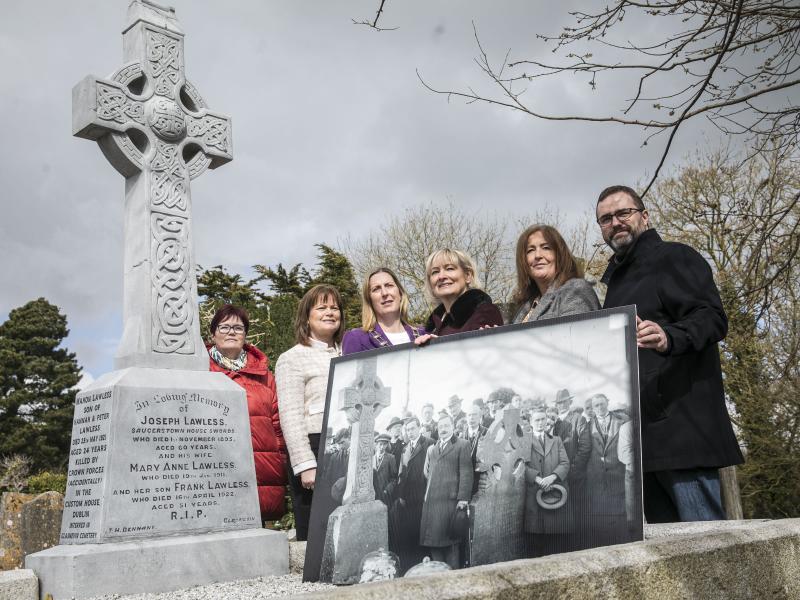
{"points": [[452, 257], [368, 318]]}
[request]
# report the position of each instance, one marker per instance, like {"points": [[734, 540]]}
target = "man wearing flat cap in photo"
{"points": [[686, 430], [384, 470], [396, 443], [573, 430], [454, 408]]}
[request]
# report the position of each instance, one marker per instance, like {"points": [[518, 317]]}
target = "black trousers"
{"points": [[301, 497]]}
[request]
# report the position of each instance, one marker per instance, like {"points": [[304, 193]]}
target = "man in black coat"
{"points": [[396, 443], [472, 435], [686, 431], [384, 470], [573, 430], [411, 485]]}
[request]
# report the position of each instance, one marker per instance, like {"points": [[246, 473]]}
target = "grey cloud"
{"points": [[332, 130]]}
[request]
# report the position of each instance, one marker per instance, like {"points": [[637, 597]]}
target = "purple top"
{"points": [[358, 340]]}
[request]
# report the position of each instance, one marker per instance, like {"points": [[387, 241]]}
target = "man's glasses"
{"points": [[623, 216], [237, 329]]}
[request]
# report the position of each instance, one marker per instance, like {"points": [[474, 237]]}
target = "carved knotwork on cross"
{"points": [[506, 445], [362, 402], [154, 128]]}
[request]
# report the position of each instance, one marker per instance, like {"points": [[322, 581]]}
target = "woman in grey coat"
{"points": [[549, 283]]}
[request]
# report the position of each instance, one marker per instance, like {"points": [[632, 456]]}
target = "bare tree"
{"points": [[16, 470], [404, 241], [374, 23], [734, 62]]}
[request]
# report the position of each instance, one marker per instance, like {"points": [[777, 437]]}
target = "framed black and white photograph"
{"points": [[480, 447]]}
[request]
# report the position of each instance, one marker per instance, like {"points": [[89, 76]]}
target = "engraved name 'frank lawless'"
{"points": [[183, 420]]}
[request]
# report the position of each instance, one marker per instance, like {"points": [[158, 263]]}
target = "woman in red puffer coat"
{"points": [[246, 365]]}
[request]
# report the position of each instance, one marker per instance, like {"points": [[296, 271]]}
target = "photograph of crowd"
{"points": [[489, 446]]}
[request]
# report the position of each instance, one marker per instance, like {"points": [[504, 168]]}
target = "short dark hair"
{"points": [[302, 331], [410, 419], [226, 312], [616, 189]]}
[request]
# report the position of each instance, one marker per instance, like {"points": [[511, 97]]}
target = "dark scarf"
{"points": [[460, 312]]}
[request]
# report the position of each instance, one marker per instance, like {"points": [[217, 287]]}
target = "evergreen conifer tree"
{"points": [[37, 385]]}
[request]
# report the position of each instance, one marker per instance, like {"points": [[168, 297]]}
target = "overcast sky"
{"points": [[332, 131]]}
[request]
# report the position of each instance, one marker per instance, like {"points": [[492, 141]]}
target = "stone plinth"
{"points": [[159, 452], [725, 560], [156, 455], [354, 530], [159, 565]]}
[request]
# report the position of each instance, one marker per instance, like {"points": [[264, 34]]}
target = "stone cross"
{"points": [[499, 507], [154, 128], [506, 444], [362, 402]]}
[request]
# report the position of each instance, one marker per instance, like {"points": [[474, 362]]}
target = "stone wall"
{"points": [[728, 560], [28, 523]]}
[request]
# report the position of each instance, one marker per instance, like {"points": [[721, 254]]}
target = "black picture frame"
{"points": [[588, 354]]}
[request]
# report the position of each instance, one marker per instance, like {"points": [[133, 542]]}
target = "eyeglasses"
{"points": [[623, 216], [237, 329]]}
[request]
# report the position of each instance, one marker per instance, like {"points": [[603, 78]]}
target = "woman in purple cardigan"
{"points": [[384, 315]]}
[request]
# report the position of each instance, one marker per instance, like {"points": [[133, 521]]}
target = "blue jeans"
{"points": [[682, 495]]}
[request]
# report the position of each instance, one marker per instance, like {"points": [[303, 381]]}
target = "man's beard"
{"points": [[620, 245]]}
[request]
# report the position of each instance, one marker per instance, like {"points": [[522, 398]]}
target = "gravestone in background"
{"points": [[161, 476], [361, 524], [499, 507]]}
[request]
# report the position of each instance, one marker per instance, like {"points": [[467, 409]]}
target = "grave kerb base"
{"points": [[158, 565]]}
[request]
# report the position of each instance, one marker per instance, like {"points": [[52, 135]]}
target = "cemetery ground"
{"points": [[727, 560]]}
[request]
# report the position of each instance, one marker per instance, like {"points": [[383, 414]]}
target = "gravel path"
{"points": [[248, 589]]}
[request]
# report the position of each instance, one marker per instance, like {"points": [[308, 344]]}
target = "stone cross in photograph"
{"points": [[499, 508], [361, 524], [155, 129], [362, 402]]}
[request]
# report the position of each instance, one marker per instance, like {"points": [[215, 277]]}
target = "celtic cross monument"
{"points": [[361, 524], [161, 475], [155, 129]]}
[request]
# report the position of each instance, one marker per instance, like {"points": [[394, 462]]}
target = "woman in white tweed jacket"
{"points": [[549, 283], [301, 376]]}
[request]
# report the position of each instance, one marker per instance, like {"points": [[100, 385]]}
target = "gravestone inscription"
{"points": [[181, 464]]}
